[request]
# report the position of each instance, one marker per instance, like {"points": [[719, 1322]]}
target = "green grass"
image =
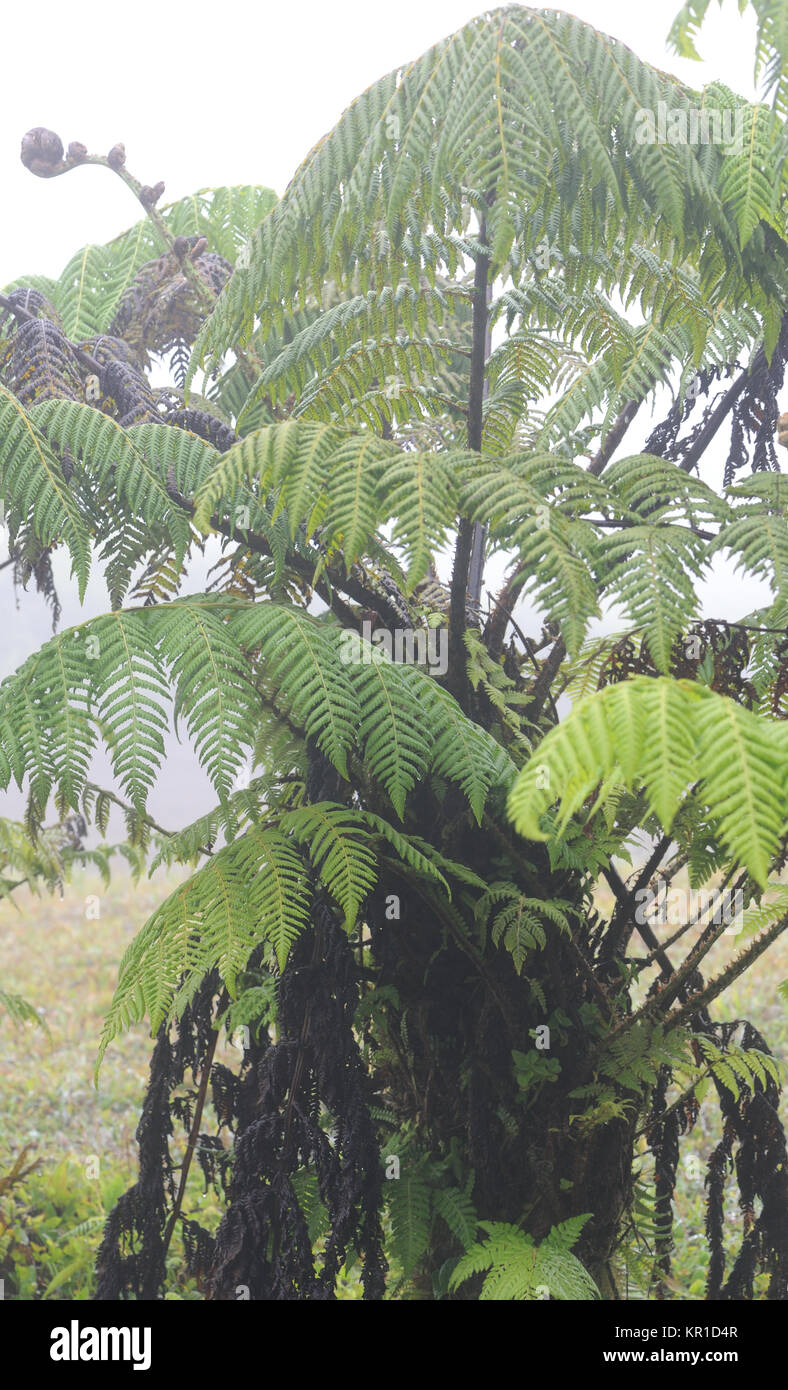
{"points": [[80, 1138], [66, 966]]}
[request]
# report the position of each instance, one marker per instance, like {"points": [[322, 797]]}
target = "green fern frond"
{"points": [[339, 847], [253, 890], [656, 490], [40, 508], [212, 687], [651, 571], [664, 735], [502, 103], [298, 664], [347, 484], [517, 1268], [396, 740], [517, 920], [408, 1199], [757, 535], [771, 54], [226, 216], [19, 1011], [456, 1209]]}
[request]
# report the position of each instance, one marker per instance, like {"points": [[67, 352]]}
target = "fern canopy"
{"points": [[526, 116]]}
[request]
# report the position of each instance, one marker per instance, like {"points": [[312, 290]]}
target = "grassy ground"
{"points": [[66, 966], [65, 963], [64, 960]]}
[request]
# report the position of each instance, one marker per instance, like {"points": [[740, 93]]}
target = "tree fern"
{"points": [[357, 901]]}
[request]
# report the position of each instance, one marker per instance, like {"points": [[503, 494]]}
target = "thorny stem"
{"points": [[542, 687], [625, 902], [618, 931], [645, 961], [737, 967], [660, 1003], [501, 616], [529, 647]]}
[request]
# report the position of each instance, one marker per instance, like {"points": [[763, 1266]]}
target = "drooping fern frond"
{"points": [[19, 1011], [665, 735], [339, 846], [135, 467], [214, 660], [257, 889], [346, 483], [253, 890], [771, 54], [398, 750], [40, 508], [652, 573], [757, 534], [381, 345]]}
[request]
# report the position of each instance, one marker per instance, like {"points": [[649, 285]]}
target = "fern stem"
{"points": [[501, 616], [194, 1134], [470, 535], [543, 684], [720, 983], [349, 583], [613, 438]]}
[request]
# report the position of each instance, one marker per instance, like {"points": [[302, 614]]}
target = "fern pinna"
{"points": [[468, 1054]]}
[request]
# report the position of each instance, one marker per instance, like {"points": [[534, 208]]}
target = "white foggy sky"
{"points": [[200, 100]]}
